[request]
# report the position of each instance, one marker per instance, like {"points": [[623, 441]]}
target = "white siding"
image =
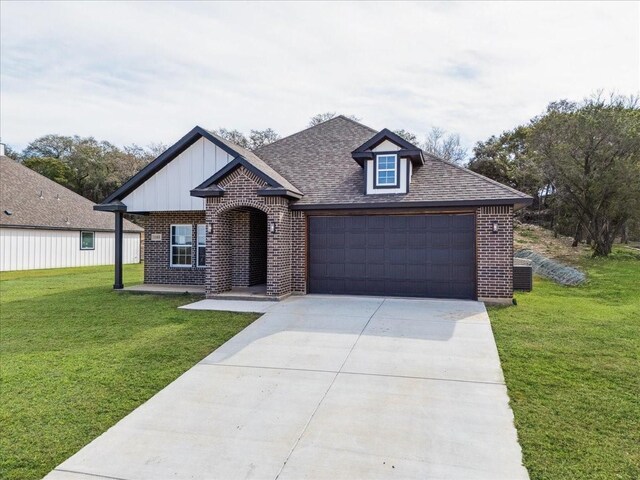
{"points": [[168, 189], [404, 164], [27, 249], [386, 146]]}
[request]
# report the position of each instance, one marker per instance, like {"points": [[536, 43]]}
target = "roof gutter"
{"points": [[516, 202]]}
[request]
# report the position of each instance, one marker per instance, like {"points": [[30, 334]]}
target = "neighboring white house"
{"points": [[45, 225]]}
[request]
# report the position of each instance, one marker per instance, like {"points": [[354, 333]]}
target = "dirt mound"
{"points": [[542, 241]]}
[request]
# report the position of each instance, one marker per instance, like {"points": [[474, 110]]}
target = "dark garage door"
{"points": [[396, 255]]}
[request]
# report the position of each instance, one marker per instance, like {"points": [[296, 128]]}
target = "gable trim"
{"points": [[167, 156], [381, 136]]}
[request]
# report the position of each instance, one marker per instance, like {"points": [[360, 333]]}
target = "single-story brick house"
{"points": [[338, 208]]}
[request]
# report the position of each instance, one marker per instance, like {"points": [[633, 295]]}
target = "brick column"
{"points": [[495, 254], [278, 247], [298, 252]]}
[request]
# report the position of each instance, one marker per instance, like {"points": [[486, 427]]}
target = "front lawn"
{"points": [[571, 358], [76, 357]]}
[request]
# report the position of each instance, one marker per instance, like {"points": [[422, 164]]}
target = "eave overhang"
{"points": [[518, 203]]}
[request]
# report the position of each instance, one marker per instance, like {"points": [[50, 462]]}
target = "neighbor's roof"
{"points": [[35, 201], [318, 162]]}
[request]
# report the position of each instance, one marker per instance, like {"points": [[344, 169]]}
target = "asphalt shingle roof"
{"points": [[258, 163], [318, 162], [36, 201]]}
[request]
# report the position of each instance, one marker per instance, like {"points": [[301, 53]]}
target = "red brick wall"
{"points": [[241, 193], [157, 267], [495, 253], [240, 247]]}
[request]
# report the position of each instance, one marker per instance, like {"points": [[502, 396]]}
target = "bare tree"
{"points": [[445, 145], [234, 136], [323, 117], [255, 139], [259, 138]]}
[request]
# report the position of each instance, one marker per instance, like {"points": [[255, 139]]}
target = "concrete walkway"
{"points": [[327, 387]]}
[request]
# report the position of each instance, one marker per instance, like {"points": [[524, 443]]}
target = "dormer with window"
{"points": [[388, 161]]}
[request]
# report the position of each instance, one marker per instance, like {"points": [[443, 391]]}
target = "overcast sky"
{"points": [[148, 72]]}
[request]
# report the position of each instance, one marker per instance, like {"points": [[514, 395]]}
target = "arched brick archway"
{"points": [[241, 194], [238, 248]]}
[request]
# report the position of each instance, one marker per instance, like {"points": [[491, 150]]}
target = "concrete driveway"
{"points": [[327, 387]]}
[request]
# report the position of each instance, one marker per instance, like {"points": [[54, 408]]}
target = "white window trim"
{"points": [[395, 170], [171, 245], [198, 246], [93, 243]]}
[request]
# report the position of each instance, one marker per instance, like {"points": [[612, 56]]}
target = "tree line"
{"points": [[580, 161]]}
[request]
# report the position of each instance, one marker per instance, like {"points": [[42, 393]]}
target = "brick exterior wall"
{"points": [[241, 251], [240, 246], [241, 194], [298, 252], [495, 253], [157, 267]]}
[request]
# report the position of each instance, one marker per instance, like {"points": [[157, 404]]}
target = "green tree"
{"points": [[408, 136], [590, 151], [87, 166], [506, 159], [52, 168]]}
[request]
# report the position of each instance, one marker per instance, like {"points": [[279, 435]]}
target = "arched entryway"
{"points": [[242, 246]]}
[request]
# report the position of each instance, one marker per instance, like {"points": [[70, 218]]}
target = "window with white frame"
{"points": [[202, 244], [180, 246], [87, 240], [386, 170]]}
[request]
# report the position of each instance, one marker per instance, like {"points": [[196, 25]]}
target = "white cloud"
{"points": [[147, 72]]}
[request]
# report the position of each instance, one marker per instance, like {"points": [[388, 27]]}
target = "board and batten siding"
{"points": [[169, 189], [29, 249]]}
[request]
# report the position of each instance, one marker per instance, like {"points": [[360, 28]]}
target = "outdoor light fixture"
{"points": [[494, 227], [272, 227], [209, 228]]}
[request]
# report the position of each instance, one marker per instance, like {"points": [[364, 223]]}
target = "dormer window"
{"points": [[386, 173], [388, 162]]}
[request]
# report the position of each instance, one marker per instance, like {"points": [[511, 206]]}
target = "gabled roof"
{"points": [[315, 167], [180, 146], [36, 201], [318, 162], [277, 184]]}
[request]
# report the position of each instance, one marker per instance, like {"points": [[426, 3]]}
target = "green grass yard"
{"points": [[76, 357], [571, 358]]}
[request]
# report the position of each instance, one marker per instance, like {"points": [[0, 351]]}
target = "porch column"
{"points": [[117, 284]]}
